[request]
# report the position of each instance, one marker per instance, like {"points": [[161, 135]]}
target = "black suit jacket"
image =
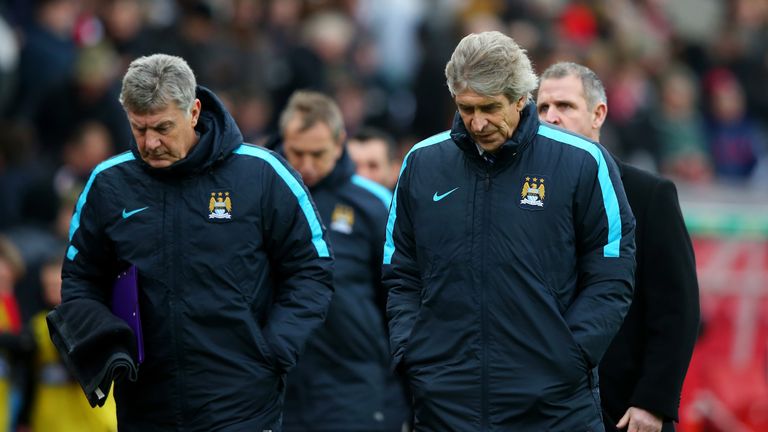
{"points": [[646, 363]]}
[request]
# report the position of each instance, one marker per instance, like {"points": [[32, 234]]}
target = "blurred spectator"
{"points": [[36, 240], [11, 270], [252, 113], [680, 129], [394, 26], [194, 37], [736, 142], [241, 59], [58, 402], [88, 145], [48, 53], [374, 153], [90, 96], [18, 169], [9, 59], [124, 27]]}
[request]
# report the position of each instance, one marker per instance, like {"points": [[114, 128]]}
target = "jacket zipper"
{"points": [[484, 304], [174, 303]]}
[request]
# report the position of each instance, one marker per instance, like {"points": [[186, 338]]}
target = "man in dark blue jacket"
{"points": [[342, 382], [234, 264], [509, 258], [642, 373]]}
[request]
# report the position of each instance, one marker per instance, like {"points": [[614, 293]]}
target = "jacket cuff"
{"points": [[663, 403]]}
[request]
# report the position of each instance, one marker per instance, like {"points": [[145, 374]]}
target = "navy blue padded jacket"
{"points": [[507, 281], [234, 269]]}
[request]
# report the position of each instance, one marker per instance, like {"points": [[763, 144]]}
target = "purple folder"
{"points": [[125, 304]]}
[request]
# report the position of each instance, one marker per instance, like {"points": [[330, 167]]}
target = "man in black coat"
{"points": [[641, 374]]}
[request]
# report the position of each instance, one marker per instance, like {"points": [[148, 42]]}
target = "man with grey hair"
{"points": [[509, 258], [232, 266], [642, 373]]}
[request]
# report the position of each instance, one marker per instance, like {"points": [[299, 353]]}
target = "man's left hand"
{"points": [[639, 420]]}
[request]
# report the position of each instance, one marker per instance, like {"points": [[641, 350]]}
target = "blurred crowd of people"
{"points": [[684, 79]]}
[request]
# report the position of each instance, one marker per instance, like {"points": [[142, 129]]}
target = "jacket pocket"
{"points": [[265, 351]]}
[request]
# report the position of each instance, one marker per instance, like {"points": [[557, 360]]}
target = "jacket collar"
{"points": [[521, 138], [341, 173]]}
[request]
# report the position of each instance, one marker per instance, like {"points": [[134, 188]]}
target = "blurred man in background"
{"points": [[374, 153], [343, 382], [642, 373]]}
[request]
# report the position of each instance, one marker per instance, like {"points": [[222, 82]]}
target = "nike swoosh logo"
{"points": [[127, 214], [437, 197]]}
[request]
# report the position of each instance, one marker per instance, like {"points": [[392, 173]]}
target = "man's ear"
{"points": [[520, 104], [195, 111], [599, 114]]}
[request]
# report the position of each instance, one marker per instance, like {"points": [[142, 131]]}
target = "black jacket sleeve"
{"points": [[671, 303], [605, 230], [401, 273], [302, 263]]}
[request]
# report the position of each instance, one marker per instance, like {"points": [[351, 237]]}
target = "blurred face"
{"points": [[166, 136], [372, 160], [728, 102], [490, 120], [561, 101], [312, 152], [50, 277], [7, 278], [95, 145]]}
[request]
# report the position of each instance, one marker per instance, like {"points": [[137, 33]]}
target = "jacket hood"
{"points": [[219, 136], [523, 135]]}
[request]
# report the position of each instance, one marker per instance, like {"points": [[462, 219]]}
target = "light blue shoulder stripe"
{"points": [[75, 223], [389, 244], [610, 201], [304, 203], [371, 186]]}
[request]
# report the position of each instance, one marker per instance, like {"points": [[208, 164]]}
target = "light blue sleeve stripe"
{"points": [[610, 201], [389, 244], [371, 186], [298, 191], [72, 252], [109, 163]]}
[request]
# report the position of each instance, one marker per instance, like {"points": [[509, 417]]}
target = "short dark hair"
{"points": [[368, 133]]}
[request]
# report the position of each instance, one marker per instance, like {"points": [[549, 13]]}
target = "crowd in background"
{"points": [[685, 82]]}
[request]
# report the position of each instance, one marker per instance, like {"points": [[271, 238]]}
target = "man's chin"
{"points": [[158, 163], [490, 146]]}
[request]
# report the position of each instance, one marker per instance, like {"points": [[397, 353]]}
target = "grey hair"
{"points": [[490, 63], [153, 82], [594, 91], [313, 107]]}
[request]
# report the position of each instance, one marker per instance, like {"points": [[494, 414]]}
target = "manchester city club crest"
{"points": [[220, 206], [342, 219], [533, 193]]}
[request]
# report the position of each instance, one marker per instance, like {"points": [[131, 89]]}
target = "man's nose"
{"points": [[551, 117], [478, 123], [306, 166], [152, 140]]}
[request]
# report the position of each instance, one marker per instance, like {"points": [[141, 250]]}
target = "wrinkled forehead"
{"points": [[167, 113]]}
